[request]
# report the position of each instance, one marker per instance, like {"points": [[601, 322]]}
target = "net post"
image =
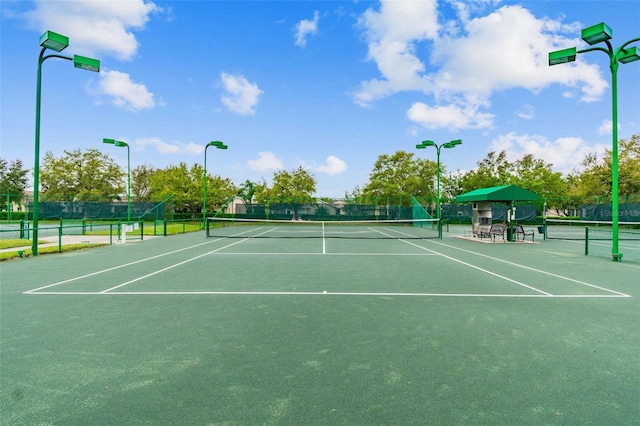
{"points": [[586, 241]]}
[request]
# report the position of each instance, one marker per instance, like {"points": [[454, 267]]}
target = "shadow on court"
{"points": [[190, 330]]}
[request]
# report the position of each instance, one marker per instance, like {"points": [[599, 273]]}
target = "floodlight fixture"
{"points": [[84, 63], [452, 144], [562, 56], [424, 144], [597, 33], [629, 55], [54, 41]]}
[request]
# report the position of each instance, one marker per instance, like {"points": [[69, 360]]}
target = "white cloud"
{"points": [[306, 27], [266, 161], [606, 128], [124, 92], [526, 112], [468, 60], [241, 96], [564, 153], [450, 116], [334, 166], [95, 28], [165, 148], [391, 33]]}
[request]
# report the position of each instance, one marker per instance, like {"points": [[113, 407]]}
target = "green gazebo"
{"points": [[482, 199], [498, 194]]}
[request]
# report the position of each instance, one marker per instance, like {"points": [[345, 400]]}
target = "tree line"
{"points": [[94, 176]]}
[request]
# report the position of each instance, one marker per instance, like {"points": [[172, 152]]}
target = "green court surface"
{"points": [[194, 330]]}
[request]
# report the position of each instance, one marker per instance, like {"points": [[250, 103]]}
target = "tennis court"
{"points": [[387, 325]]}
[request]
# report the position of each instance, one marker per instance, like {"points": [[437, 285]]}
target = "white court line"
{"points": [[318, 293], [172, 266], [234, 253], [530, 268], [468, 264], [562, 277], [183, 262], [102, 271], [124, 265]]}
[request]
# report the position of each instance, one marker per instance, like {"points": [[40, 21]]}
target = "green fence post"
{"points": [[60, 237]]}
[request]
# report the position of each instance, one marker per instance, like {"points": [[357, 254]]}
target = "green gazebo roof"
{"points": [[498, 194]]}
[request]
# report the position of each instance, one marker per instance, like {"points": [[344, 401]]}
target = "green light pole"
{"points": [[451, 144], [57, 43], [121, 144], [593, 35], [218, 145]]}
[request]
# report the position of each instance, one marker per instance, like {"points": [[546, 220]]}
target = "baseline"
{"points": [[323, 293]]}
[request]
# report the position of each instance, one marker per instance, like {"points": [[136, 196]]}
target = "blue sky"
{"points": [[327, 85]]}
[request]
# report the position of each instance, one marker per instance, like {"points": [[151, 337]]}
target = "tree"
{"points": [[537, 176], [629, 166], [219, 191], [354, 195], [186, 187], [450, 185], [141, 182], [400, 175], [260, 194], [292, 189], [183, 184], [83, 176], [13, 182], [247, 191], [494, 170], [595, 177]]}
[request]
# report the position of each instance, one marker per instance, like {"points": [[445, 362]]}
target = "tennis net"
{"points": [[347, 229], [560, 229], [598, 243]]}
